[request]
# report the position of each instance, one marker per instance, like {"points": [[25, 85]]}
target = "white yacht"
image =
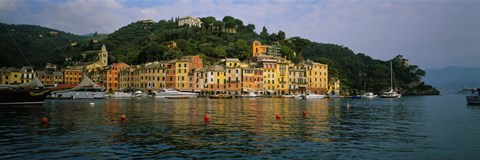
{"points": [[87, 89], [312, 96], [251, 95], [138, 93], [121, 94], [369, 95], [173, 94]]}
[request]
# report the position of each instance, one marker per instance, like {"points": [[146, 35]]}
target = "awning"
{"points": [[271, 91]]}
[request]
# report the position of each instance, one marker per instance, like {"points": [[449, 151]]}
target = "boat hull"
{"points": [[473, 99], [313, 96], [220, 96], [23, 96], [78, 95], [391, 96]]}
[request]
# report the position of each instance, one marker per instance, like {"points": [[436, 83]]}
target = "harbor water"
{"points": [[415, 127]]}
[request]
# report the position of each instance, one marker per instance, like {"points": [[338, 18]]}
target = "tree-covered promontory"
{"points": [[146, 41]]}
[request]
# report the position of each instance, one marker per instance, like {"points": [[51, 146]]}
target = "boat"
{"points": [[392, 93], [220, 96], [474, 98], [356, 97], [250, 95], [173, 94], [369, 95], [312, 96], [121, 94], [27, 93], [138, 93], [288, 96], [87, 89]]}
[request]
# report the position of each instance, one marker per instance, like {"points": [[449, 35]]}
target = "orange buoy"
{"points": [[44, 120], [277, 116], [123, 117], [304, 114], [206, 118]]}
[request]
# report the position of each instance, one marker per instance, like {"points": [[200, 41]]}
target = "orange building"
{"points": [[112, 75], [257, 80], [258, 48], [72, 75], [170, 76]]}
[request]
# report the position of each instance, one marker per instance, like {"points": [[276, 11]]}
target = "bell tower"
{"points": [[103, 56]]}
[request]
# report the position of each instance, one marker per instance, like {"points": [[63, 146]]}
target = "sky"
{"points": [[430, 33]]}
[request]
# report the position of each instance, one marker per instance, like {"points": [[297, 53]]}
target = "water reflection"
{"points": [[238, 128]]}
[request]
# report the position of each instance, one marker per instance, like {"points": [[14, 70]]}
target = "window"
{"points": [[179, 65], [185, 65]]}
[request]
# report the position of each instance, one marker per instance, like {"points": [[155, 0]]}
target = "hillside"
{"points": [[145, 41], [38, 44]]}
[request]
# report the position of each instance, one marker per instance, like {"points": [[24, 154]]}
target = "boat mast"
{"points": [[391, 76]]}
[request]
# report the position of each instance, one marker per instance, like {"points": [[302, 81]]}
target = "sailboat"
{"points": [[87, 89], [27, 93], [392, 93]]}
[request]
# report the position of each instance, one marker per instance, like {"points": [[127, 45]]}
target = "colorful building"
{"points": [[258, 48], [111, 75], [50, 78], [233, 76], [72, 75]]}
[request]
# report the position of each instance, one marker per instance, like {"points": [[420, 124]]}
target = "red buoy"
{"points": [[277, 116], [44, 120], [304, 114], [206, 118], [123, 117]]}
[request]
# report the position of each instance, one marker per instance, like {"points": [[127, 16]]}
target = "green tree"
{"points": [[264, 34]]}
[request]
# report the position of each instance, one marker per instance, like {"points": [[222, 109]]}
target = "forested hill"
{"points": [[145, 41], [38, 45]]}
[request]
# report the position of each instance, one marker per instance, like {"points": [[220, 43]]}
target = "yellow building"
{"points": [[269, 67], [216, 80], [282, 75], [181, 73], [11, 76], [317, 77]]}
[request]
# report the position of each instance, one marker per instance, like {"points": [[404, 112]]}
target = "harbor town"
{"points": [[267, 74]]}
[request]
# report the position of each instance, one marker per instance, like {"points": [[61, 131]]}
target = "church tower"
{"points": [[103, 56]]}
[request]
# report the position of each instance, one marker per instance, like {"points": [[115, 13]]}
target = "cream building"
{"points": [[190, 21]]}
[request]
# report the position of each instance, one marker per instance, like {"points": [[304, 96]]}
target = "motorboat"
{"points": [[289, 96], [312, 96], [138, 93], [251, 95], [220, 96], [121, 94], [28, 93], [369, 95], [173, 94], [87, 89], [474, 98]]}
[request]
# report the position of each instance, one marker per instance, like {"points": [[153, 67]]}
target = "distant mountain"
{"points": [[453, 78]]}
